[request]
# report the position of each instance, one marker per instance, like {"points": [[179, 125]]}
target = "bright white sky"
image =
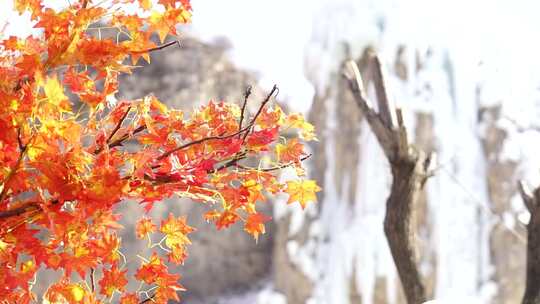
{"points": [[270, 36]]}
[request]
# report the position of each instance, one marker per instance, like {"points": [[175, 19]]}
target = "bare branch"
{"points": [[409, 173], [242, 113], [384, 135], [157, 48], [384, 106], [276, 167], [150, 299], [92, 281], [261, 107]]}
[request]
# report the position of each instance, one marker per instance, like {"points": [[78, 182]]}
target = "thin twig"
{"points": [[263, 104], [157, 48], [246, 97], [22, 147], [118, 125], [232, 162], [23, 209], [276, 167], [19, 210], [120, 140], [240, 131], [199, 141], [151, 298], [92, 283]]}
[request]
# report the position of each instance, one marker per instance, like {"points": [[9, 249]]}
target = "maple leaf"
{"points": [[175, 230], [34, 6], [55, 94], [165, 23], [290, 152], [307, 130], [113, 280], [65, 292], [255, 224], [144, 227], [153, 270], [259, 140], [178, 254], [302, 191]]}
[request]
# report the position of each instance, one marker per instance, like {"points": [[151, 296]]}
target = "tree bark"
{"points": [[409, 173], [407, 178], [532, 281]]}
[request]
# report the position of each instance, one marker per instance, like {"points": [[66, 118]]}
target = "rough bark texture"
{"points": [[409, 173], [532, 286]]}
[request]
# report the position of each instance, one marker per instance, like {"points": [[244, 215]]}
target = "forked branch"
{"points": [[409, 173]]}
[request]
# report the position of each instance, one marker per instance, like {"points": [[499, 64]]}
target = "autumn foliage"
{"points": [[64, 169]]}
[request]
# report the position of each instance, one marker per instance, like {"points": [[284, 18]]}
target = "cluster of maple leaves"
{"points": [[63, 171]]}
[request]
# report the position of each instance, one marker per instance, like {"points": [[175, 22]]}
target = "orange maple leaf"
{"points": [[113, 280], [290, 152], [144, 227], [255, 224]]}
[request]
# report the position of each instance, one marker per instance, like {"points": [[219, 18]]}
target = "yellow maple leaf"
{"points": [[176, 230], [302, 191], [306, 130], [55, 94]]}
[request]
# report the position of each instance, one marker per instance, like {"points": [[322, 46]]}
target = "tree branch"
{"points": [[92, 281], [19, 210], [261, 107], [200, 141], [240, 131], [409, 172], [382, 133], [113, 132], [118, 125], [157, 48], [275, 167], [384, 106], [242, 113], [124, 137]]}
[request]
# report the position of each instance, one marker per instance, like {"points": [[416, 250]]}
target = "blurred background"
{"points": [[466, 73]]}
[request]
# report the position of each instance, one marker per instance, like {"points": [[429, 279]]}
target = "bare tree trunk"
{"points": [[407, 177], [409, 173], [532, 285]]}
